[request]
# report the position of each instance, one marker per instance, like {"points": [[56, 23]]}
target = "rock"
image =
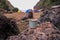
{"points": [[45, 31], [52, 16], [7, 27]]}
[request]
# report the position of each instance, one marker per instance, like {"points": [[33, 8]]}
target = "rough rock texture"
{"points": [[46, 31], [52, 15], [7, 27]]}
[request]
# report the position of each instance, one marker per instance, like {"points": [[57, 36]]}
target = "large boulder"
{"points": [[7, 27]]}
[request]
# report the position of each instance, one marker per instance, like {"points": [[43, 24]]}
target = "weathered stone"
{"points": [[52, 16], [7, 28], [45, 31]]}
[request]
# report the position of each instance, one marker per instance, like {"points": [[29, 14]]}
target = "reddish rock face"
{"points": [[46, 31]]}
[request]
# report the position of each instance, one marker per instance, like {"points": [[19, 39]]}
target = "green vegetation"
{"points": [[3, 5], [15, 9], [47, 3]]}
